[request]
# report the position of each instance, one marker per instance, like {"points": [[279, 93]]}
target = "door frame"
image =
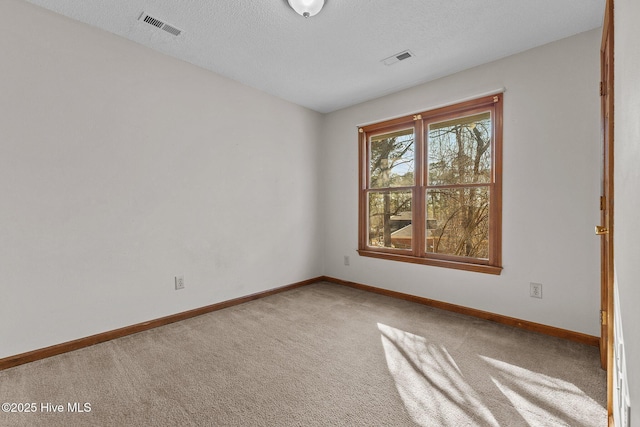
{"points": [[606, 201]]}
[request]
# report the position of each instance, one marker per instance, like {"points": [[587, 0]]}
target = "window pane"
{"points": [[459, 150], [458, 222], [392, 159], [390, 219]]}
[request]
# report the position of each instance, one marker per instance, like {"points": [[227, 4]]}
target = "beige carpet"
{"points": [[314, 356]]}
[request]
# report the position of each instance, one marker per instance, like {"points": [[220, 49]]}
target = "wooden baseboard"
{"points": [[19, 359], [498, 318]]}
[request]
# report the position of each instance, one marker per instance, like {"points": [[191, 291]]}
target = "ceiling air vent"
{"points": [[394, 59], [160, 24]]}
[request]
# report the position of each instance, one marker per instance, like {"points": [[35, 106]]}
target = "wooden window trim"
{"points": [[419, 122]]}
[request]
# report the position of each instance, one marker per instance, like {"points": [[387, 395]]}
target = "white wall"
{"points": [[550, 196], [626, 181], [121, 168]]}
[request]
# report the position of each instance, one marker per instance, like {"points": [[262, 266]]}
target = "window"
{"points": [[430, 187]]}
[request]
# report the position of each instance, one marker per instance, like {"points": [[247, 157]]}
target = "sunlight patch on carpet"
{"points": [[531, 392], [430, 383], [435, 391]]}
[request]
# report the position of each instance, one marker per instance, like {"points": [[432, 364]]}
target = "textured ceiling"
{"points": [[334, 60]]}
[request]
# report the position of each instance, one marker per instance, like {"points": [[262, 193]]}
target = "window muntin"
{"points": [[430, 187]]}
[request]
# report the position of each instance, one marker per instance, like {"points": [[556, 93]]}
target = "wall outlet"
{"points": [[535, 290], [346, 260], [179, 282]]}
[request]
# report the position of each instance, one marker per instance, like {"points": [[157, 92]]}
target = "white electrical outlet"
{"points": [[535, 290], [179, 282], [346, 260]]}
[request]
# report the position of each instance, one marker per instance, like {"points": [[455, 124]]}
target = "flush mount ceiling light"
{"points": [[306, 8]]}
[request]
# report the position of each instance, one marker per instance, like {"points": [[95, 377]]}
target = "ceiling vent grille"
{"points": [[394, 59], [159, 24]]}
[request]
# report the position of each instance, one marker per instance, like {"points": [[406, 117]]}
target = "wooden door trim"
{"points": [[607, 105]]}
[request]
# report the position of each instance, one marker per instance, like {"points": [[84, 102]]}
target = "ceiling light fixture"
{"points": [[306, 8]]}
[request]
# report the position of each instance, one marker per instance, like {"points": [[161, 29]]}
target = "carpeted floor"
{"points": [[320, 355]]}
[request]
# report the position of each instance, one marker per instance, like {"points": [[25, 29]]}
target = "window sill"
{"points": [[467, 266]]}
